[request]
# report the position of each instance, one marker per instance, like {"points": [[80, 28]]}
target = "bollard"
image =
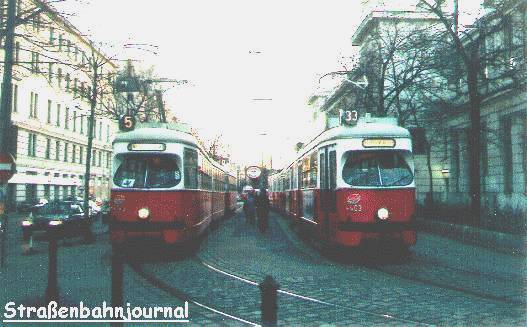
{"points": [[52, 290], [269, 301], [3, 236], [117, 279]]}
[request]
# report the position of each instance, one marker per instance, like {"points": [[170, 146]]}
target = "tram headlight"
{"points": [[383, 213], [55, 223], [27, 223], [143, 213]]}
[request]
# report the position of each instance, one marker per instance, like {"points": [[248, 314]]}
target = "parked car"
{"points": [[65, 218], [94, 211], [26, 206]]}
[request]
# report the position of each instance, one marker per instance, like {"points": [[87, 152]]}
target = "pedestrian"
{"points": [[250, 207], [262, 204]]}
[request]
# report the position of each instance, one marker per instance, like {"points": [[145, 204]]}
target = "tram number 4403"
{"points": [[348, 117]]}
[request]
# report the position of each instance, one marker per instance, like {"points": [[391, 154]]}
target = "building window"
{"points": [[94, 158], [506, 145], [109, 157], [48, 148], [15, 98], [418, 140], [59, 77], [58, 115], [33, 105], [50, 71], [484, 152], [67, 79], [35, 62], [74, 153], [455, 164], [48, 120], [32, 145], [60, 42], [51, 35], [100, 130], [75, 81], [108, 133], [81, 154], [57, 150], [66, 146], [82, 124], [74, 121], [67, 118]]}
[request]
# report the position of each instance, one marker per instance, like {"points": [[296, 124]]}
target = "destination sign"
{"points": [[146, 147], [378, 143]]}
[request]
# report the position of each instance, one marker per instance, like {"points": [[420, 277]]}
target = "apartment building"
{"points": [[51, 108]]}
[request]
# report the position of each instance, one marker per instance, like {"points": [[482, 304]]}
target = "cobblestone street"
{"points": [[470, 286]]}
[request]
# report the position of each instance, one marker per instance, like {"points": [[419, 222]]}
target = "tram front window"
{"points": [[147, 171], [376, 168]]}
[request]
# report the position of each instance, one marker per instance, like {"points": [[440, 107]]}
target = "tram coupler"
{"points": [[269, 301]]}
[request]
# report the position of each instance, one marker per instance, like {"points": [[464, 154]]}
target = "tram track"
{"points": [[293, 294], [408, 274], [182, 295]]}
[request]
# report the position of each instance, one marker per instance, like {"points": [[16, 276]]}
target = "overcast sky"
{"points": [[213, 44]]}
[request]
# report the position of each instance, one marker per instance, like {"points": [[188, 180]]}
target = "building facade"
{"points": [[51, 110]]}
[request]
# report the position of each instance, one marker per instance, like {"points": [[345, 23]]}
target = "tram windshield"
{"points": [[147, 171], [376, 168]]}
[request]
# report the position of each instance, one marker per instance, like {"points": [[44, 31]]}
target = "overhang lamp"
{"points": [[143, 213], [383, 213]]}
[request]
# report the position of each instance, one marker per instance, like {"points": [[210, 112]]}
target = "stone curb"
{"points": [[502, 242]]}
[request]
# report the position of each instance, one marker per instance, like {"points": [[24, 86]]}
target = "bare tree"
{"points": [[470, 58]]}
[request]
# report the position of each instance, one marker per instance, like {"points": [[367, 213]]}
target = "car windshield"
{"points": [[57, 208], [376, 168], [147, 171]]}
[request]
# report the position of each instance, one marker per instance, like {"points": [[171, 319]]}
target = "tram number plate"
{"points": [[355, 208]]}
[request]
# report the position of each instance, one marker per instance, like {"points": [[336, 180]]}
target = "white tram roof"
{"points": [[165, 132], [159, 132], [367, 127]]}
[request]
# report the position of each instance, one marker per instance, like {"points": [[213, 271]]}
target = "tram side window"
{"points": [[376, 168], [332, 170], [323, 171], [147, 171], [191, 168], [313, 171]]}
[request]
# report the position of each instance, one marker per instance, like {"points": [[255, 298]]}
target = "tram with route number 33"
{"points": [[165, 186], [352, 184]]}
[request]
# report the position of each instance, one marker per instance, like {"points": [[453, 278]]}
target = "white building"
{"points": [[50, 112]]}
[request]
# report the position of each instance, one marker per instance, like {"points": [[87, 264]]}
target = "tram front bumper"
{"points": [[377, 227], [169, 232]]}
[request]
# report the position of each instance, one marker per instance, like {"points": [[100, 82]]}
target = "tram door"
{"points": [[328, 183]]}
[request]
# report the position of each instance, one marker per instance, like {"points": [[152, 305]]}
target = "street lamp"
{"points": [[446, 175]]}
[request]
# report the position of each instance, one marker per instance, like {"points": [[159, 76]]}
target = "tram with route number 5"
{"points": [[352, 184], [165, 186]]}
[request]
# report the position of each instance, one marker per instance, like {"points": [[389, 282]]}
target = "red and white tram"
{"points": [[165, 186], [352, 184]]}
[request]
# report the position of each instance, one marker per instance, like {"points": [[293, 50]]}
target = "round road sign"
{"points": [[253, 172], [7, 167]]}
